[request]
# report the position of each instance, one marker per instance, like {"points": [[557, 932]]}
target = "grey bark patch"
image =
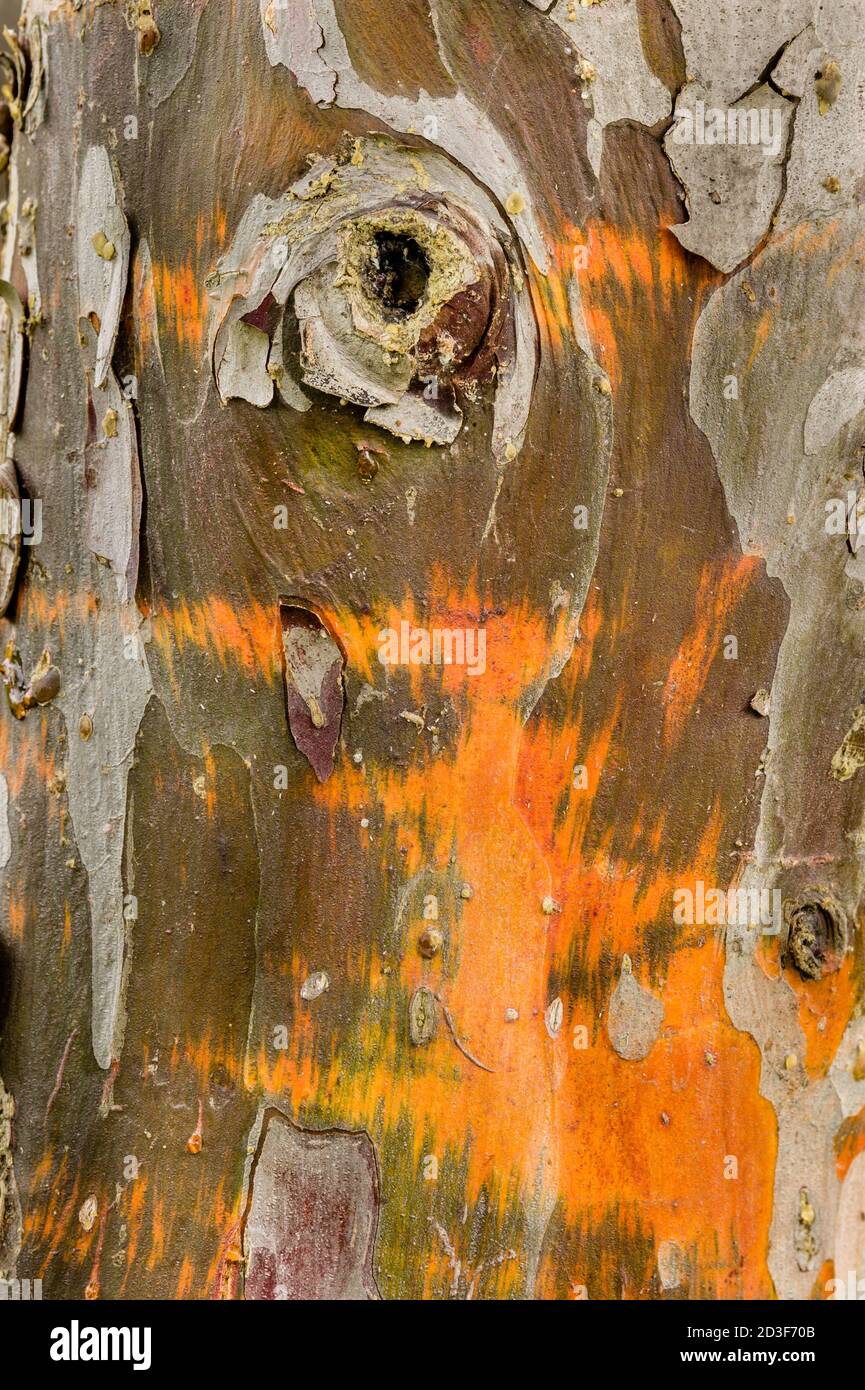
{"points": [[11, 359], [101, 280], [727, 51], [26, 64], [37, 86], [834, 405], [671, 1265], [728, 45], [790, 73], [804, 288], [10, 1206], [618, 81], [808, 1117], [315, 985], [314, 692], [310, 1226], [422, 1017], [111, 686], [846, 1071], [850, 1230], [827, 157], [10, 532], [11, 373], [243, 371], [553, 1017], [760, 450], [414, 417], [333, 359], [848, 759], [5, 836], [732, 187], [293, 37], [112, 475], [164, 68], [634, 1017]]}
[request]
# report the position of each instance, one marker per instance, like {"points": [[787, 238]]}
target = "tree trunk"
{"points": [[437, 433]]}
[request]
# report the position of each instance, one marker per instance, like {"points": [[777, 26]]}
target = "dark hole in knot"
{"points": [[816, 935], [397, 274]]}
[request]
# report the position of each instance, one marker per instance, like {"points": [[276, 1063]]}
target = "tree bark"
{"points": [[431, 811]]}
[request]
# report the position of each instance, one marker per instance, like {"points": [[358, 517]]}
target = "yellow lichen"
{"points": [[827, 86], [103, 247]]}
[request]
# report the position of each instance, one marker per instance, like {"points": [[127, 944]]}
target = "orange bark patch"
{"points": [[720, 589], [181, 302]]}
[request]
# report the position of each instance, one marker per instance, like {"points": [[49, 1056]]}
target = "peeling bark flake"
{"points": [[634, 1017], [314, 693], [311, 1222], [112, 476], [10, 1207], [733, 184], [111, 682], [11, 359], [5, 836], [10, 532], [422, 1017], [293, 37], [21, 694], [101, 279], [618, 84], [243, 371]]}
